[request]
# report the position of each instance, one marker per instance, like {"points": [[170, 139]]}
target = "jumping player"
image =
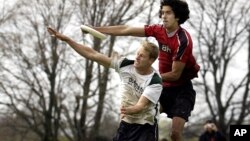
{"points": [[177, 64]]}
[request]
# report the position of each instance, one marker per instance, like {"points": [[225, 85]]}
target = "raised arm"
{"points": [[83, 50], [122, 30]]}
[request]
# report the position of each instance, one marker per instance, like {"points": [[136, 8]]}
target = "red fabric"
{"points": [[175, 48]]}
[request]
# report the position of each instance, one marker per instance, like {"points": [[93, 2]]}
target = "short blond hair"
{"points": [[151, 48]]}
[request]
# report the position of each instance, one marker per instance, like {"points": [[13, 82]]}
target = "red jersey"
{"points": [[175, 47]]}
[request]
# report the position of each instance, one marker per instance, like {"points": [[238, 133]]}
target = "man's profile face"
{"points": [[168, 17], [142, 58]]}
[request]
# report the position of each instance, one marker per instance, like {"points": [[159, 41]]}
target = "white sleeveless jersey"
{"points": [[133, 85]]}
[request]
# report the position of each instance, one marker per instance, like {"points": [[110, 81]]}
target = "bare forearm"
{"points": [[87, 52], [132, 109], [170, 76], [175, 73], [112, 30], [81, 49], [135, 109], [138, 107], [122, 30]]}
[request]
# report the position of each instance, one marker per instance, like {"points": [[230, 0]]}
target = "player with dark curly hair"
{"points": [[177, 64]]}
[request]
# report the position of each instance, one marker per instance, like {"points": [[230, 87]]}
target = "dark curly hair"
{"points": [[179, 7]]}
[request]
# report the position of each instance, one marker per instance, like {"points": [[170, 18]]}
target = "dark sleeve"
{"points": [[184, 50], [220, 136], [156, 79], [202, 137], [126, 62]]}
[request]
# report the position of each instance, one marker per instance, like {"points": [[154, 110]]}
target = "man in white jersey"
{"points": [[140, 88]]}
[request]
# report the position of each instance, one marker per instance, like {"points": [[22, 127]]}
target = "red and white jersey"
{"points": [[176, 46]]}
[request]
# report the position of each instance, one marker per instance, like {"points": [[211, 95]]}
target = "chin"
{"points": [[165, 25], [136, 65]]}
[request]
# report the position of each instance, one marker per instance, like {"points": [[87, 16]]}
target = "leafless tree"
{"points": [[46, 86], [32, 77], [221, 33], [7, 11]]}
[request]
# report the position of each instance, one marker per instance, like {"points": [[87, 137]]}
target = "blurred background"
{"points": [[50, 93]]}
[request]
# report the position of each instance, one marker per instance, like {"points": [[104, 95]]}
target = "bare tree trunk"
{"points": [[104, 13], [47, 86], [34, 93], [220, 38]]}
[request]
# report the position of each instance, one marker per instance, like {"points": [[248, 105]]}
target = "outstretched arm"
{"points": [[122, 30], [83, 50]]}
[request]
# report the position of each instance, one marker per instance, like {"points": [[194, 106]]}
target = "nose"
{"points": [[163, 15], [137, 57]]}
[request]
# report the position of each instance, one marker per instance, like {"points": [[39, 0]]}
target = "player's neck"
{"points": [[144, 71], [172, 29]]}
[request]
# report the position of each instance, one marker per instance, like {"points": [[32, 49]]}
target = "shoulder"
{"points": [[183, 33], [184, 37], [155, 27], [156, 79], [118, 63], [155, 30], [126, 62]]}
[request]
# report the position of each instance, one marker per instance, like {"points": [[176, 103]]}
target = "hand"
{"points": [[214, 127], [56, 34], [123, 110]]}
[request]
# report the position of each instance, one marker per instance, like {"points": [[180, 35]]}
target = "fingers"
{"points": [[51, 31], [123, 110]]}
